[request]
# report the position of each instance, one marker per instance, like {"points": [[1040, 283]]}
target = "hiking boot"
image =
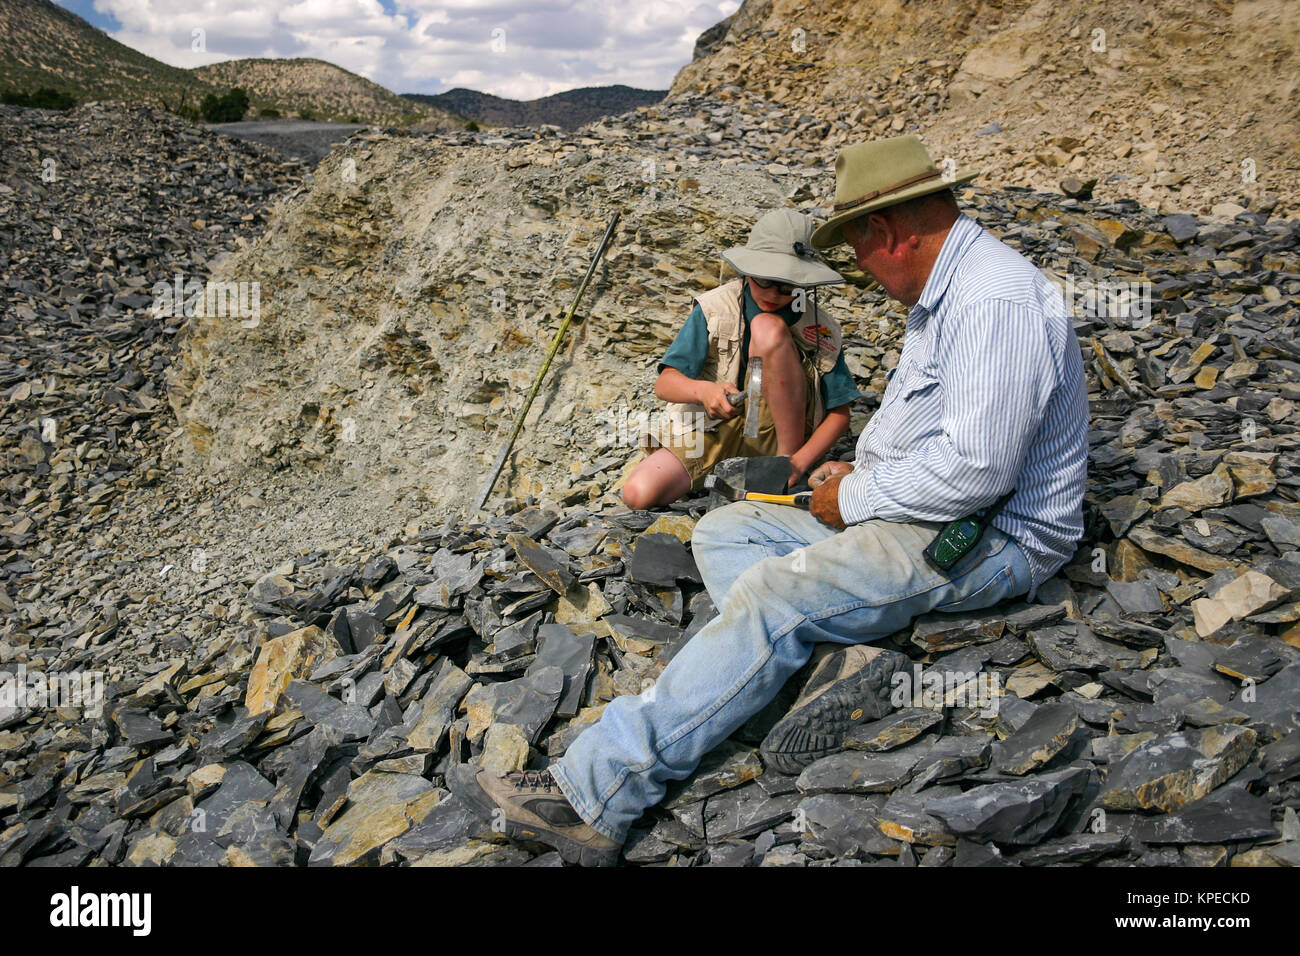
{"points": [[528, 805], [850, 685]]}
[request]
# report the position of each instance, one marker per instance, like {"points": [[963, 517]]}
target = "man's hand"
{"points": [[825, 504], [826, 471], [713, 396]]}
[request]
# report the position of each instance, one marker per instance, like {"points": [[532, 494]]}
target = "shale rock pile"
{"points": [[1179, 104], [332, 636], [97, 206]]}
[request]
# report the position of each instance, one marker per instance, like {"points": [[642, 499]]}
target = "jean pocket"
{"points": [[991, 544], [995, 589]]}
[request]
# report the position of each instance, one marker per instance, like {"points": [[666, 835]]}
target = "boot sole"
{"points": [[466, 787], [818, 728]]}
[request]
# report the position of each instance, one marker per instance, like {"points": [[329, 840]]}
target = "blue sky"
{"points": [[521, 49]]}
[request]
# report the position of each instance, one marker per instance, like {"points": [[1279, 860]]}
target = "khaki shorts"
{"points": [[700, 451]]}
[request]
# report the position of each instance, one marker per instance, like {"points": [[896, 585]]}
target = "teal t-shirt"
{"points": [[691, 348]]}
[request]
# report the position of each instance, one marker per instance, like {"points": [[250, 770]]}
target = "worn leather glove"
{"points": [[825, 504]]}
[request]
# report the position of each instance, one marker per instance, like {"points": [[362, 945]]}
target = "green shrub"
{"points": [[46, 98], [269, 113], [226, 109], [472, 126]]}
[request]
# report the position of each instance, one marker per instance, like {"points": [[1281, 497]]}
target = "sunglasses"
{"points": [[782, 288]]}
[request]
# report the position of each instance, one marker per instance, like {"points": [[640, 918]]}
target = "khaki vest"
{"points": [[816, 334]]}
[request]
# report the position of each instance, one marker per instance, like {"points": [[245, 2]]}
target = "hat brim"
{"points": [[830, 233], [775, 267]]}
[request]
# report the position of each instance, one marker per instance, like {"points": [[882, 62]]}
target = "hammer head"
{"points": [[717, 485], [753, 392]]}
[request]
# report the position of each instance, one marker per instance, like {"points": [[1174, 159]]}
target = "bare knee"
{"points": [[636, 499], [645, 488], [767, 333], [635, 493]]}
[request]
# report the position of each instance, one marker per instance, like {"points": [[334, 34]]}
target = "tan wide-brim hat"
{"points": [[780, 250], [871, 176]]}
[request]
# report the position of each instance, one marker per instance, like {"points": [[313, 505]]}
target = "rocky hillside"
{"points": [[251, 523], [1180, 104], [305, 86], [426, 329], [42, 44], [300, 633], [567, 110]]}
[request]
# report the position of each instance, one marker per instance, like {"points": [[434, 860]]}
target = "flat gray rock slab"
{"points": [[1019, 813]]}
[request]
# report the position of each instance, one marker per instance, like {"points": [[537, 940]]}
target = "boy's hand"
{"points": [[713, 396]]}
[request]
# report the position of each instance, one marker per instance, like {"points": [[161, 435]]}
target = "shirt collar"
{"points": [[964, 231]]}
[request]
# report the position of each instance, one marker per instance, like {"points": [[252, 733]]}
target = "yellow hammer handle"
{"points": [[774, 499]]}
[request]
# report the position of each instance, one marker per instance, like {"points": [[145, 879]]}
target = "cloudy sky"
{"points": [[521, 49]]}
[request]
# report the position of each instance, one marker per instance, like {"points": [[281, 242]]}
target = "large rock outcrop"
{"points": [[406, 309], [1179, 104]]}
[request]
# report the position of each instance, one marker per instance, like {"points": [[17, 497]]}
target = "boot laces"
{"points": [[535, 779]]}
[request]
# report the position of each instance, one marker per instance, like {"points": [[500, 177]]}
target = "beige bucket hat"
{"points": [[780, 250], [871, 176]]}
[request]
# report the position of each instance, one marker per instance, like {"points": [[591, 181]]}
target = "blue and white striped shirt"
{"points": [[989, 394]]}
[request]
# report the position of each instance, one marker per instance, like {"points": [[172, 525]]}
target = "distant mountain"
{"points": [[324, 90], [569, 110], [44, 45]]}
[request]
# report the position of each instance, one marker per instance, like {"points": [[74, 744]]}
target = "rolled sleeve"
{"points": [[837, 385], [995, 376]]}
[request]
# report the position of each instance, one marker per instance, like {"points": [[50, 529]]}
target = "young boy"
{"points": [[768, 313]]}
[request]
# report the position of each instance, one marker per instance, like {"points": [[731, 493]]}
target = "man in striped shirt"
{"points": [[988, 395], [988, 398]]}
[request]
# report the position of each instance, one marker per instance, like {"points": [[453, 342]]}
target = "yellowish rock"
{"points": [[282, 659], [280, 729], [1251, 475], [466, 855], [1249, 594], [157, 848], [1129, 562], [204, 780], [1291, 635], [381, 806], [505, 748], [582, 605], [1206, 376], [1208, 492], [679, 525], [174, 673], [1256, 857], [202, 680], [1026, 681]]}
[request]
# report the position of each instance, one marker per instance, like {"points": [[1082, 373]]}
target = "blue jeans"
{"points": [[783, 582]]}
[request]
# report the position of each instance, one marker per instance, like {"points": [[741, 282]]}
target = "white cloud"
{"points": [[426, 46]]}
